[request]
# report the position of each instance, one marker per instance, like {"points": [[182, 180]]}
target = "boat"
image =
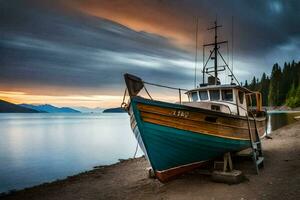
{"points": [[177, 137]]}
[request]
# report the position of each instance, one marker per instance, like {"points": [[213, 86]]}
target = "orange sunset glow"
{"points": [[157, 18], [92, 101]]}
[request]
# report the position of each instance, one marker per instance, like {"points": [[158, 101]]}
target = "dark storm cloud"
{"points": [[44, 47], [263, 26], [265, 32], [259, 25], [48, 44]]}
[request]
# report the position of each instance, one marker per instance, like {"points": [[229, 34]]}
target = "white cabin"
{"points": [[229, 99]]}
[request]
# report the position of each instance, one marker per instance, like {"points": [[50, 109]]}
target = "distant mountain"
{"points": [[68, 110], [7, 107], [49, 108], [114, 110], [88, 110]]}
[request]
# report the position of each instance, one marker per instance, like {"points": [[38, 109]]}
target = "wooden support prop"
{"points": [[227, 163]]}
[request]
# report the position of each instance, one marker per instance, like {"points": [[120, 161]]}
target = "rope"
{"points": [[148, 92], [229, 69], [227, 75], [158, 85], [124, 104], [137, 145], [125, 92]]}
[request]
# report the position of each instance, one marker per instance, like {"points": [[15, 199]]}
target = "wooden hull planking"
{"points": [[177, 138]]}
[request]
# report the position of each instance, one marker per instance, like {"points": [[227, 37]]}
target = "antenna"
{"points": [[196, 53], [232, 49]]}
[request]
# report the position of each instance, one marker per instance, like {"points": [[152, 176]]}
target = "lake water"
{"points": [[277, 119], [37, 148]]}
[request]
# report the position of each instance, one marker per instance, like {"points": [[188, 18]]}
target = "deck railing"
{"points": [[163, 86]]}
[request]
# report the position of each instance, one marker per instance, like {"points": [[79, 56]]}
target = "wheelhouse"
{"points": [[224, 98]]}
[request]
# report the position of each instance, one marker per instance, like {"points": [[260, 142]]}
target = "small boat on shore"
{"points": [[216, 119]]}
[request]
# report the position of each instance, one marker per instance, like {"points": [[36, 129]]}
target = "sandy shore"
{"points": [[280, 179]]}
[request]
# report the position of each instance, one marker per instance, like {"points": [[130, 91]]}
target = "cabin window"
{"points": [[214, 95], [203, 95], [227, 95], [194, 96], [214, 107], [241, 97]]}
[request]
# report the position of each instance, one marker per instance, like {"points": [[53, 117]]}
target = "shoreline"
{"points": [[66, 178], [282, 111], [128, 178]]}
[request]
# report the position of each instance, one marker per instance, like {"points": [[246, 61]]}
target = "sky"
{"points": [[75, 52]]}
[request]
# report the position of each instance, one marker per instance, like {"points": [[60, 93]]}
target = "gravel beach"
{"points": [[128, 179]]}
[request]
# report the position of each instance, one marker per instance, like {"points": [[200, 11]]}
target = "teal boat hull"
{"points": [[168, 147]]}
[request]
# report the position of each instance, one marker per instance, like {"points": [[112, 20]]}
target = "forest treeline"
{"points": [[282, 87]]}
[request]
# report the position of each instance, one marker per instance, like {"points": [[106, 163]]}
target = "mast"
{"points": [[216, 55], [215, 52]]}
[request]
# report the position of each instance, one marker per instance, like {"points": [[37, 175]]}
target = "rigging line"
{"points": [[136, 149], [211, 52], [196, 53], [232, 44], [203, 52], [208, 58], [158, 85], [148, 92], [229, 69], [125, 92], [227, 60], [203, 55]]}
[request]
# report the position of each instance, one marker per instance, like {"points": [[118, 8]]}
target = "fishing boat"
{"points": [[216, 119]]}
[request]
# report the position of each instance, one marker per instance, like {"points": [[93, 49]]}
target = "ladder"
{"points": [[257, 153]]}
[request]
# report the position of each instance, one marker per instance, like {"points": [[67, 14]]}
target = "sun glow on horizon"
{"points": [[91, 101]]}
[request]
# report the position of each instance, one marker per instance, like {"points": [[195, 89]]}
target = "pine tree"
{"points": [[282, 87], [274, 96], [285, 83], [252, 85], [264, 89], [246, 84], [293, 99]]}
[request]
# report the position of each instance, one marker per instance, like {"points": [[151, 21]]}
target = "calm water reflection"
{"points": [[277, 119], [37, 148]]}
